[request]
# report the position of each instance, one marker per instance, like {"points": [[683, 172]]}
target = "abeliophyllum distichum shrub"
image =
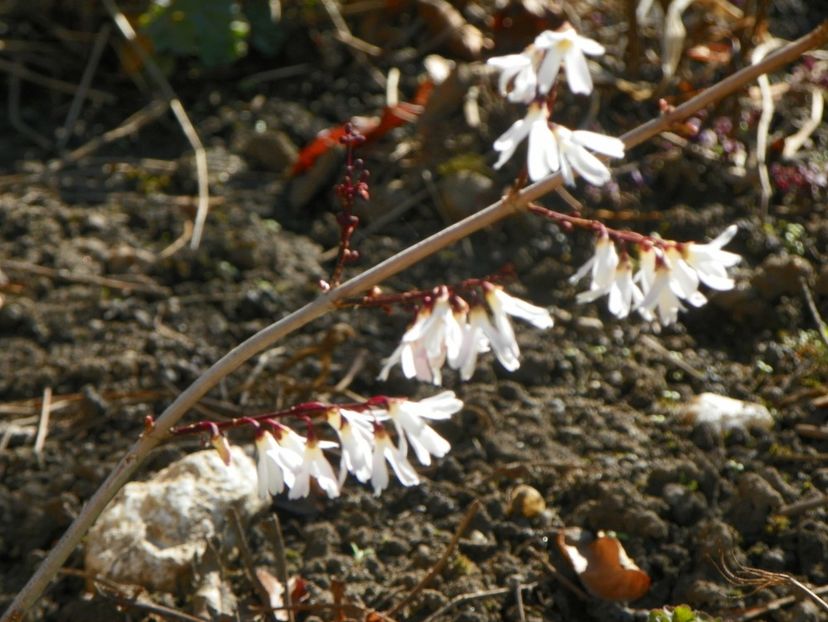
{"points": [[455, 324]]}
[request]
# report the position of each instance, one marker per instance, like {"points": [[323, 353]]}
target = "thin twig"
{"points": [[811, 431], [13, 265], [561, 578], [741, 575], [328, 302], [21, 72], [274, 74], [763, 127], [672, 357], [249, 568], [278, 543], [179, 242], [774, 605], [794, 142], [356, 365], [809, 299], [518, 586], [344, 34], [83, 88], [43, 423], [441, 563], [131, 125], [128, 32], [468, 598], [800, 507], [122, 599], [17, 121], [23, 426]]}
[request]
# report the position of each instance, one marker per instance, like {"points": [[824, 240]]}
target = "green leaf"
{"points": [[683, 613], [214, 31]]}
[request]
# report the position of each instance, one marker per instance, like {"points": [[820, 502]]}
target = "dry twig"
{"points": [[83, 88], [118, 593], [21, 72], [43, 423], [468, 598], [809, 299], [16, 120], [741, 575], [131, 125], [128, 32], [441, 563], [278, 542], [74, 277], [249, 568], [344, 34]]}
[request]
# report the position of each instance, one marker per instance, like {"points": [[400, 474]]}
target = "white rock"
{"points": [[725, 413], [152, 530]]}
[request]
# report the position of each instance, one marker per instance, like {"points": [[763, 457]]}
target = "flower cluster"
{"points": [[668, 272], [528, 78], [448, 330], [286, 459]]}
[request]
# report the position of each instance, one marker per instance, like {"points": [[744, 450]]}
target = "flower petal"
{"points": [[577, 71]]}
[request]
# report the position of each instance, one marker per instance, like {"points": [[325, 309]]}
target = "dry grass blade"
{"points": [[746, 576], [123, 25]]}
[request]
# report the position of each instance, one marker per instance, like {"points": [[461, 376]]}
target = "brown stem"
{"points": [[328, 302]]}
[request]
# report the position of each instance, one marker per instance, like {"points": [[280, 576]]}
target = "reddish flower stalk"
{"points": [[354, 185], [569, 222], [304, 411], [416, 297]]}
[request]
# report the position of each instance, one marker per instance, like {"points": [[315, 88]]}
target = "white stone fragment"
{"points": [[152, 531], [725, 413]]}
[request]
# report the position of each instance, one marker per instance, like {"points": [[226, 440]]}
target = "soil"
{"points": [[591, 420]]}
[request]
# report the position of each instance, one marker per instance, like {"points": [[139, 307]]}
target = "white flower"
{"points": [[316, 465], [661, 297], [684, 281], [518, 79], [624, 294], [355, 432], [710, 261], [601, 265], [410, 354], [503, 338], [666, 279], [646, 267], [277, 461], [503, 304], [409, 419], [610, 275], [569, 47], [435, 335], [475, 342], [675, 273], [543, 151], [384, 450], [572, 147]]}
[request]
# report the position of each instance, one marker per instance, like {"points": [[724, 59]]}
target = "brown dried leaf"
{"points": [[275, 592], [719, 53], [603, 566]]}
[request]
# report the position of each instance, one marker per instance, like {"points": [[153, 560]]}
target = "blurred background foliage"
{"points": [[216, 32]]}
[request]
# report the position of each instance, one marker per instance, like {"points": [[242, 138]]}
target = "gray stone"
{"points": [[152, 531]]}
